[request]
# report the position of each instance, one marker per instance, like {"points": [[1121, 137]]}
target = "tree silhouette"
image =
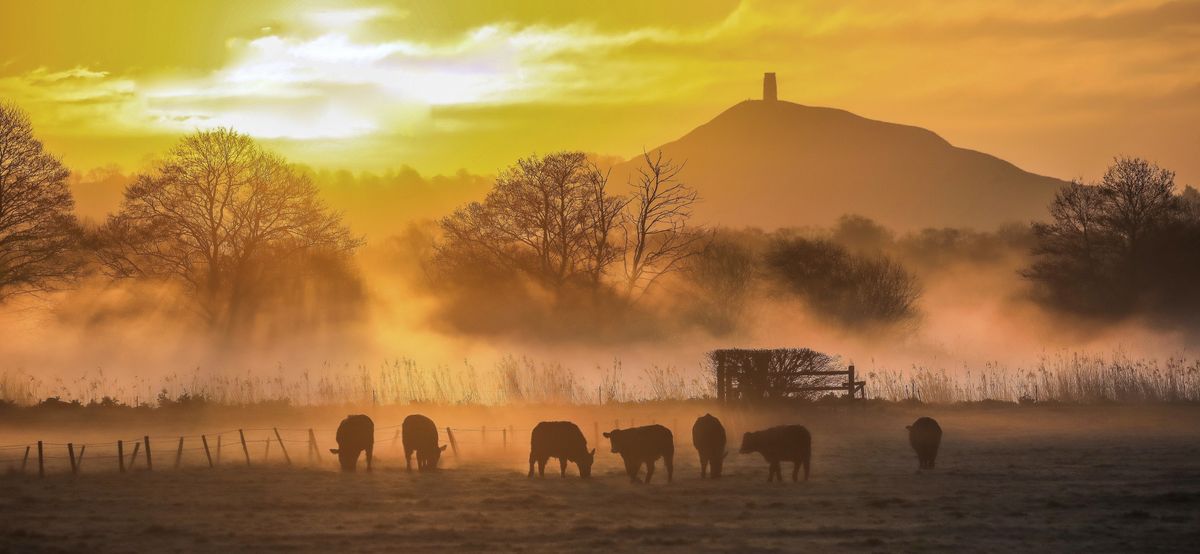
{"points": [[38, 230], [657, 236], [218, 213]]}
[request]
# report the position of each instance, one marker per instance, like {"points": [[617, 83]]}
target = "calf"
{"points": [[644, 445], [786, 443], [355, 434], [562, 440], [420, 435], [708, 436], [925, 436]]}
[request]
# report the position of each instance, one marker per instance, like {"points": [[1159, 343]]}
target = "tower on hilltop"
{"points": [[770, 93]]}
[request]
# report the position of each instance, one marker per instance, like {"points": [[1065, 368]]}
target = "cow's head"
{"points": [[716, 464], [749, 443], [614, 438], [585, 463], [436, 455], [347, 458]]}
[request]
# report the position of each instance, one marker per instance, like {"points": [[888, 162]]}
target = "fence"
{"points": [[246, 447]]}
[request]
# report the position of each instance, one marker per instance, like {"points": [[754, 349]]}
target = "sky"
{"points": [[1056, 87]]}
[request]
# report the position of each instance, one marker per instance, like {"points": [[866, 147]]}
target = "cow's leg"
{"points": [[933, 457], [795, 471], [669, 462], [774, 471], [632, 469], [531, 462], [562, 467], [649, 470], [370, 456], [408, 458], [703, 467], [542, 466]]}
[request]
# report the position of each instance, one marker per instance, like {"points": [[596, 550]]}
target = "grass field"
{"points": [[1099, 478]]}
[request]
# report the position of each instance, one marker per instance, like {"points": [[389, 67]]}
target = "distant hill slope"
{"points": [[778, 164]]}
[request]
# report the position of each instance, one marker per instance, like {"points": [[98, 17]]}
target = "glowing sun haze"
{"points": [[1056, 87]]}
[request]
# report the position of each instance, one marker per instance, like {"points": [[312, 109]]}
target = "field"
{"points": [[1077, 478]]}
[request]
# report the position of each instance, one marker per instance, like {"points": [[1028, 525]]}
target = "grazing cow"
{"points": [[708, 436], [786, 443], [355, 435], [925, 436], [562, 440], [421, 436], [644, 445]]}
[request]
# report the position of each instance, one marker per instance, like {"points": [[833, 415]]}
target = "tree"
{"points": [[38, 230], [1112, 246], [657, 236], [218, 213], [549, 218]]}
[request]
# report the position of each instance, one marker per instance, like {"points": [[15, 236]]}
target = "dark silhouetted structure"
{"points": [[562, 440], [421, 436], [770, 92], [786, 443], [708, 436], [925, 436], [644, 445], [355, 435], [766, 374]]}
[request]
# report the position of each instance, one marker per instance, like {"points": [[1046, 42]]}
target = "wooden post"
{"points": [[137, 446], [149, 460], [218, 449], [282, 448], [41, 462], [395, 438], [850, 382], [267, 451], [245, 450], [79, 458], [179, 453], [504, 438], [25, 460], [453, 443], [71, 455], [207, 454], [121, 455], [312, 439]]}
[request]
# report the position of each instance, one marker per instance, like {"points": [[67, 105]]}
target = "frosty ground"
{"points": [[1076, 479]]}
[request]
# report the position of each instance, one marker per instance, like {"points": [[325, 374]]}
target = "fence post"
{"points": [[71, 454], [179, 453], [850, 382], [245, 450], [453, 443], [79, 458], [41, 462], [267, 451], [137, 446], [282, 448], [121, 455], [149, 460], [219, 449], [504, 438], [25, 460], [207, 454], [395, 438], [312, 439]]}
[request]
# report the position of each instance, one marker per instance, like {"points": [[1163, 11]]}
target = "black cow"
{"points": [[925, 436], [708, 436], [562, 440], [355, 435], [421, 436], [786, 443], [644, 445]]}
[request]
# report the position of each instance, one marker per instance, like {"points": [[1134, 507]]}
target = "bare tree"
{"points": [[38, 230], [657, 236], [548, 217], [219, 210]]}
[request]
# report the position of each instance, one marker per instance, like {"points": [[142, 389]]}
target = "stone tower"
{"points": [[770, 94]]}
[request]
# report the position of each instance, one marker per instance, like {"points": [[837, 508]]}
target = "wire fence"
{"points": [[246, 447]]}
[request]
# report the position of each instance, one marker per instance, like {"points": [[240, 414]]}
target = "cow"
{"points": [[708, 436], [355, 435], [420, 435], [562, 440], [786, 443], [925, 436], [644, 445]]}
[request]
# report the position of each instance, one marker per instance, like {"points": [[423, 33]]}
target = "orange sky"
{"points": [[1057, 87]]}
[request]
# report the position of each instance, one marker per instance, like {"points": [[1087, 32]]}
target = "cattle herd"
{"points": [[637, 446]]}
